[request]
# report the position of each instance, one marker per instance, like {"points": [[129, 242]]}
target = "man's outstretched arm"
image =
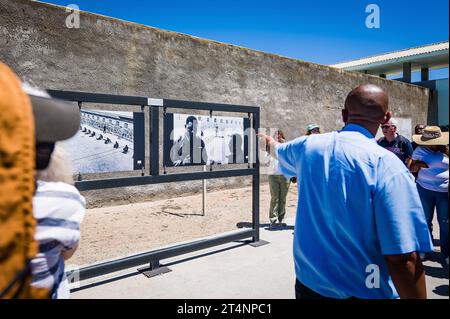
{"points": [[266, 140], [408, 275]]}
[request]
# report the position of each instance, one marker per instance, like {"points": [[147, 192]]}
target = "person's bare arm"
{"points": [[268, 140], [415, 166], [409, 162], [67, 254], [408, 275]]}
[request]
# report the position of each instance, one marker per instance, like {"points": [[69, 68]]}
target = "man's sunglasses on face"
{"points": [[385, 127]]}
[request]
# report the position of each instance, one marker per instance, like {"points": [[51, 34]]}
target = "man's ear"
{"points": [[387, 117], [345, 115]]}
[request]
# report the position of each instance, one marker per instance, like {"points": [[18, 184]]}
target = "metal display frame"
{"points": [[153, 258]]}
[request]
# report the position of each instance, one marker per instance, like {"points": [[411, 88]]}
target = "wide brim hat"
{"points": [[432, 135]]}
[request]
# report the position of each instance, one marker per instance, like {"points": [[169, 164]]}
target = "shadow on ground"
{"points": [[277, 227], [165, 210], [441, 290], [436, 272]]}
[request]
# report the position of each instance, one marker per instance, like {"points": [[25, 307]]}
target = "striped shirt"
{"points": [[59, 210]]}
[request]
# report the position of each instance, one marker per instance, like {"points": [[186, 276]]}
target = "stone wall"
{"points": [[107, 55]]}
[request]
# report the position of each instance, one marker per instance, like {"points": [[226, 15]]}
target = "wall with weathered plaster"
{"points": [[111, 56]]}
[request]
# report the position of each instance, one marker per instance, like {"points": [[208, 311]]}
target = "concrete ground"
{"points": [[437, 277], [230, 271]]}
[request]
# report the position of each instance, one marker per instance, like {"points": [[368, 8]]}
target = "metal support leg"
{"points": [[204, 194], [255, 183], [154, 269], [259, 243]]}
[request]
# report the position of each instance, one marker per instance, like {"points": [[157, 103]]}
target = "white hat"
{"points": [[393, 122]]}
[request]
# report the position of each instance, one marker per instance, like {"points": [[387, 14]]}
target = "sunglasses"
{"points": [[385, 127]]}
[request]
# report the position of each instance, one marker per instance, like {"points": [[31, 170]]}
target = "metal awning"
{"points": [[433, 56]]}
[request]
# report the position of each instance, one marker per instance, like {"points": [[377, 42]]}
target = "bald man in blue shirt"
{"points": [[359, 228]]}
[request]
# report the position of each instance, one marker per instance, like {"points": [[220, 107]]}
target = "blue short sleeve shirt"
{"points": [[358, 202]]}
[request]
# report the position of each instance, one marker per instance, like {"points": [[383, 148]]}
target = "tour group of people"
{"points": [[362, 204], [425, 155]]}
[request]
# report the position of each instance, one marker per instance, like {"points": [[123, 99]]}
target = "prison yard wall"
{"points": [[106, 55]]}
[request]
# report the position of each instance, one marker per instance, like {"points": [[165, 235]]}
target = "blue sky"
{"points": [[321, 31]]}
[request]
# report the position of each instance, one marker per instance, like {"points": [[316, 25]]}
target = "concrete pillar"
{"points": [[433, 108], [425, 74], [407, 72]]}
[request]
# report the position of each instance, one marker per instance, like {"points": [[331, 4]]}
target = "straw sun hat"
{"points": [[432, 135]]}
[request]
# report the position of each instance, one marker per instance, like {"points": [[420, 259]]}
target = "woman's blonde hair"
{"points": [[60, 168]]}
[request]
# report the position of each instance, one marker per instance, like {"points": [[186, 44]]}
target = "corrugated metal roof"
{"points": [[422, 50]]}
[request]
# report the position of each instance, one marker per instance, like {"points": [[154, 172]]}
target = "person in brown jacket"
{"points": [[26, 121]]}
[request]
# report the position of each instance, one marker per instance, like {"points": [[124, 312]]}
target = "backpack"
{"points": [[17, 186]]}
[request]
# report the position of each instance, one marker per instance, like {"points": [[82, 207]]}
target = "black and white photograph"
{"points": [[204, 140], [107, 141]]}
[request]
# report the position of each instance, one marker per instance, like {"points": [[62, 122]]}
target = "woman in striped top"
{"points": [[59, 209]]}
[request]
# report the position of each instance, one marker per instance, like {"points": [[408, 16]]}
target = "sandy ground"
{"points": [[113, 232]]}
